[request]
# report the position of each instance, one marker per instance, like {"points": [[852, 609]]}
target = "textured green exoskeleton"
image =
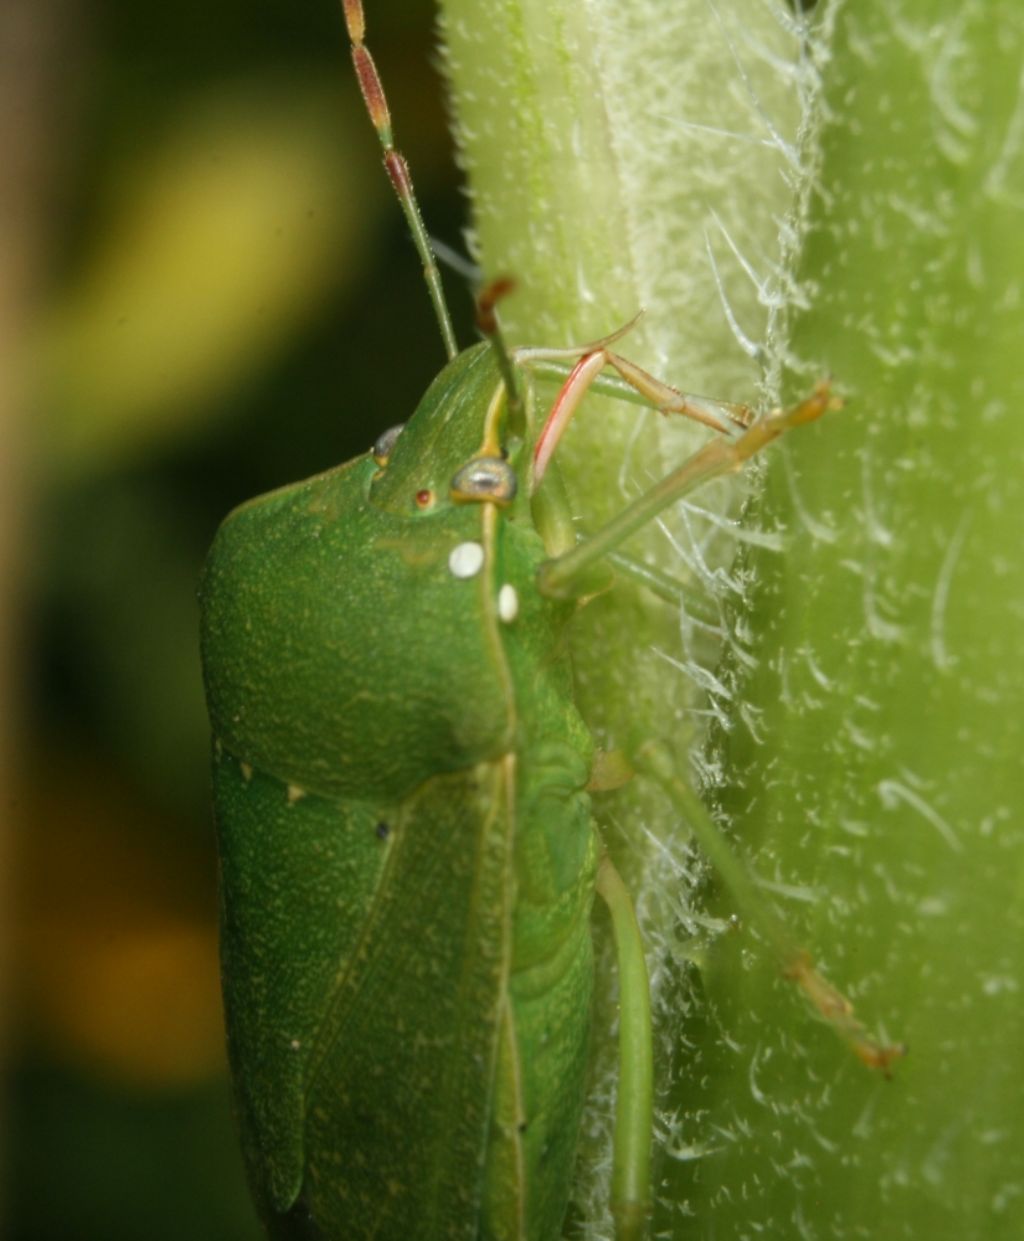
{"points": [[408, 859]]}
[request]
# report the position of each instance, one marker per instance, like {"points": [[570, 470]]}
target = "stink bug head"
{"points": [[460, 420]]}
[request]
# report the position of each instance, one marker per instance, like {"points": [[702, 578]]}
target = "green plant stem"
{"points": [[783, 207], [620, 157]]}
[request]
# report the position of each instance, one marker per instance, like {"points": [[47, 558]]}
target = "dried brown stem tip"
{"points": [[486, 301]]}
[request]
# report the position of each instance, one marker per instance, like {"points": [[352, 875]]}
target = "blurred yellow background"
{"points": [[206, 292]]}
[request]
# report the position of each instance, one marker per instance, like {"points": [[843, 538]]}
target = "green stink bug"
{"points": [[402, 781]]}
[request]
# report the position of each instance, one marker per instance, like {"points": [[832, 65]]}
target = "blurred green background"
{"points": [[210, 294]]}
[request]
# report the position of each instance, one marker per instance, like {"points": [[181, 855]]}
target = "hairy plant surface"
{"points": [[786, 198]]}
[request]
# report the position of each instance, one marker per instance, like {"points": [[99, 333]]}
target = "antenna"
{"points": [[397, 168]]}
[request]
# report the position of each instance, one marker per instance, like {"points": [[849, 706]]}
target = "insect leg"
{"points": [[795, 962], [560, 576], [658, 395], [634, 1117], [397, 168]]}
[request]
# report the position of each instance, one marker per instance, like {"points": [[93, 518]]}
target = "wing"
{"points": [[298, 875], [366, 956]]}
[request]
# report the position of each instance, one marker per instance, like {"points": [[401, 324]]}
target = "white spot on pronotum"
{"points": [[508, 603], [466, 560], [246, 771], [295, 792]]}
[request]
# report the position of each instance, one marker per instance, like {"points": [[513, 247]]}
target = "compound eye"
{"points": [[384, 445], [485, 478]]}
